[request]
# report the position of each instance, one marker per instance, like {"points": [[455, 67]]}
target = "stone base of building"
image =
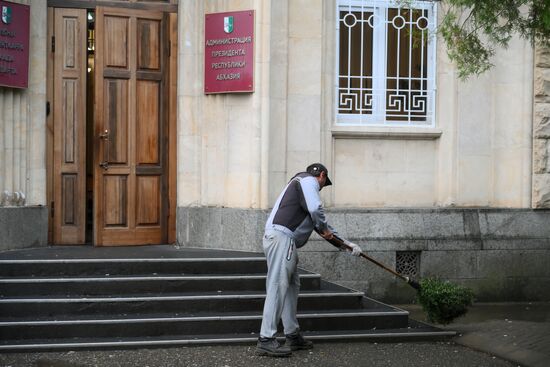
{"points": [[23, 227], [503, 254]]}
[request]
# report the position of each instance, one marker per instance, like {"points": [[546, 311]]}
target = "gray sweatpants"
{"points": [[282, 284]]}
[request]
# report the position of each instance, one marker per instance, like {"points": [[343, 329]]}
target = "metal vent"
{"points": [[407, 262]]}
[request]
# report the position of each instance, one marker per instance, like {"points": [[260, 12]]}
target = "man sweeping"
{"points": [[298, 212]]}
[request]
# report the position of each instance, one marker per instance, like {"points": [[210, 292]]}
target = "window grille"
{"points": [[385, 63], [407, 262]]}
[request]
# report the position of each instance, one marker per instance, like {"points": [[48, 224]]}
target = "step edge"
{"points": [[128, 260], [167, 298], [138, 343], [196, 318], [139, 278]]}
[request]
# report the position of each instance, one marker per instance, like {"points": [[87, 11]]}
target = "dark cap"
{"points": [[315, 169]]}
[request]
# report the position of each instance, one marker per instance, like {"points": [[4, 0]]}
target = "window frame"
{"points": [[379, 73]]}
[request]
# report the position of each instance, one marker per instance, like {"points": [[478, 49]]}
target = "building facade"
{"points": [[433, 175]]}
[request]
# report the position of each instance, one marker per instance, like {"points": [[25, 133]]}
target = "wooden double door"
{"points": [[130, 116]]}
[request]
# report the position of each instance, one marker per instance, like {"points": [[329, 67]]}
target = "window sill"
{"points": [[378, 132]]}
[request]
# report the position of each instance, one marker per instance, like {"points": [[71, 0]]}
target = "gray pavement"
{"points": [[323, 355], [490, 335], [517, 332]]}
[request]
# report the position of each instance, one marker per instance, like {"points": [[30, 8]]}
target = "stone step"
{"points": [[132, 285], [82, 267], [65, 299], [222, 301], [413, 332], [198, 324]]}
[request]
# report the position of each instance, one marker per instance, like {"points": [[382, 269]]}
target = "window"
{"points": [[385, 63]]}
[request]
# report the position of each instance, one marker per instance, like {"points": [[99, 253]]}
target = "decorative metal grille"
{"points": [[407, 262], [386, 63]]}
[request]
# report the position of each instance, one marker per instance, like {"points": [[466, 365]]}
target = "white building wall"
{"points": [[478, 154], [305, 56], [220, 137], [384, 172], [494, 122], [239, 150]]}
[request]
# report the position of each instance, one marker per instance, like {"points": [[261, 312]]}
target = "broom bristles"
{"points": [[413, 283], [443, 301]]}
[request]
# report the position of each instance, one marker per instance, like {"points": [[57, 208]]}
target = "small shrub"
{"points": [[444, 301]]}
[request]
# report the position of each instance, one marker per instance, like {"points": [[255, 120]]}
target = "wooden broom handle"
{"points": [[338, 242]]}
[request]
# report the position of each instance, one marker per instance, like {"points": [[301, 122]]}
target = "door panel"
{"points": [[148, 96], [149, 50], [148, 200], [69, 121], [116, 121], [69, 189], [130, 126], [116, 200], [116, 42]]}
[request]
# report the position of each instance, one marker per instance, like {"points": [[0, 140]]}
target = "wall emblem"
{"points": [[228, 24], [6, 14]]}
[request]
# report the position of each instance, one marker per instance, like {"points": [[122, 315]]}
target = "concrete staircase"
{"points": [[69, 298]]}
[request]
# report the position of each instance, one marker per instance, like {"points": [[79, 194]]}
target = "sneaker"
{"points": [[296, 341], [271, 347]]}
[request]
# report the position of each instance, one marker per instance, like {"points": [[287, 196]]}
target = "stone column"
{"points": [[541, 130]]}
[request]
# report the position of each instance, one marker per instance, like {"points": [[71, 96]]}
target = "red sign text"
{"points": [[14, 44], [229, 52]]}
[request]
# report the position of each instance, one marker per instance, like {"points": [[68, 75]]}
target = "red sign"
{"points": [[14, 44], [229, 52]]}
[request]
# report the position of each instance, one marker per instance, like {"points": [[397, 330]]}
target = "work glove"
{"points": [[355, 249]]}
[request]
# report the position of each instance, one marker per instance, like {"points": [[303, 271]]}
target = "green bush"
{"points": [[443, 301]]}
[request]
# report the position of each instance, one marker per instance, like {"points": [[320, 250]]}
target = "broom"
{"points": [[442, 301]]}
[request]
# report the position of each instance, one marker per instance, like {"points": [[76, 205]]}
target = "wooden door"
{"points": [[69, 125], [130, 170]]}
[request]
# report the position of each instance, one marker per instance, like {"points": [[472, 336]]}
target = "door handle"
{"points": [[105, 137]]}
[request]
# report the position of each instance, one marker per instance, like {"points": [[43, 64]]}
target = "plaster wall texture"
{"points": [[481, 158], [494, 139], [220, 137], [239, 150]]}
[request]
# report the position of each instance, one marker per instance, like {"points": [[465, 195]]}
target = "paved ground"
{"points": [[517, 332], [323, 355], [490, 335]]}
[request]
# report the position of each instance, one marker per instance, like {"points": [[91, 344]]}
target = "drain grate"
{"points": [[407, 262]]}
